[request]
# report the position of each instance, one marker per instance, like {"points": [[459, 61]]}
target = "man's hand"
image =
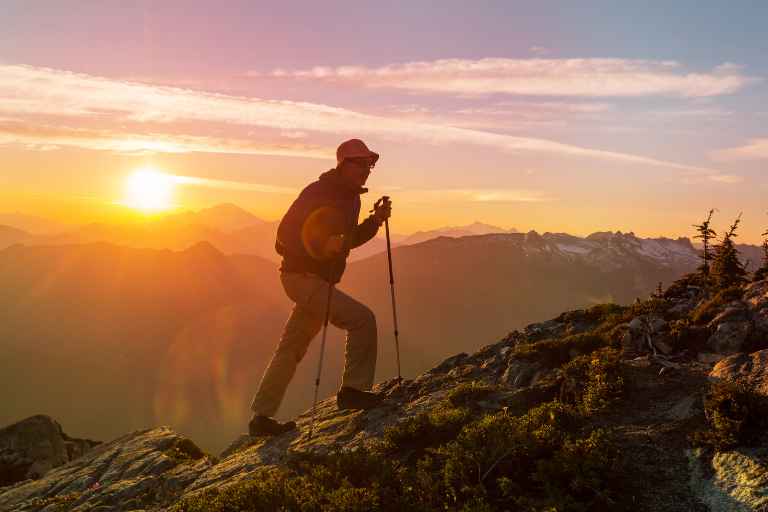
{"points": [[333, 246], [383, 211]]}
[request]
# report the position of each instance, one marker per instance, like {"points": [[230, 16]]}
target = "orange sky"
{"points": [[536, 126]]}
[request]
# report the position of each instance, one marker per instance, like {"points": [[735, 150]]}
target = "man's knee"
{"points": [[295, 341], [367, 318]]}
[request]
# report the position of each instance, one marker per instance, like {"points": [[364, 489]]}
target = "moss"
{"points": [[60, 502], [555, 352], [593, 382], [707, 311]]}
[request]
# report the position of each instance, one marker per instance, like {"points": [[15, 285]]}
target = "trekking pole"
{"points": [[322, 351], [385, 200]]}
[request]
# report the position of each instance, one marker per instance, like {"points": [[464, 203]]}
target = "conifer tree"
{"points": [[706, 234], [762, 272], [727, 269]]}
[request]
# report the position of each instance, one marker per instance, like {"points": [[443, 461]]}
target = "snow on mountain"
{"points": [[605, 249]]}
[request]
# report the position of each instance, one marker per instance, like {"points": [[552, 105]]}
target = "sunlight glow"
{"points": [[149, 190]]}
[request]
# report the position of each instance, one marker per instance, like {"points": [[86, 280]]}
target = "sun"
{"points": [[149, 190]]}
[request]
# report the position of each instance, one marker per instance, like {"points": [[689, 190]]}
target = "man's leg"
{"points": [[302, 326], [361, 348]]}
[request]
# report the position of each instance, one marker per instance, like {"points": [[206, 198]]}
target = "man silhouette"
{"points": [[314, 238]]}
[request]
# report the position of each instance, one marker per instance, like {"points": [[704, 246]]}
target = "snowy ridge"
{"points": [[606, 250]]}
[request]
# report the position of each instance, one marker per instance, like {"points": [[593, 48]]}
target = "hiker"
{"points": [[314, 238]]}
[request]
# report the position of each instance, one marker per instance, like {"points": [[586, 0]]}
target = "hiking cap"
{"points": [[354, 148]]}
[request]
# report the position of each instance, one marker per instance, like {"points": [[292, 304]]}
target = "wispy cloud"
{"points": [[754, 149], [132, 117], [49, 137], [535, 77], [232, 185], [474, 195]]}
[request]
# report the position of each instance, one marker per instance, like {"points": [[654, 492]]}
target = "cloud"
{"points": [[474, 195], [534, 77], [232, 185], [754, 149], [726, 178], [140, 117], [46, 137]]}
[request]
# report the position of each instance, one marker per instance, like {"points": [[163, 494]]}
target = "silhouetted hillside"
{"points": [[108, 338]]}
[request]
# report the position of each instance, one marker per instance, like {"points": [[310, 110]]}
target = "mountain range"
{"points": [[148, 336]]}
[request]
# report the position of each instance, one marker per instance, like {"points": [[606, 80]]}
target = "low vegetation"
{"points": [[736, 416], [706, 311], [458, 458]]}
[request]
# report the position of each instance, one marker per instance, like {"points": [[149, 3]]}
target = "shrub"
{"points": [[736, 415], [581, 320], [574, 477], [556, 352], [279, 489], [654, 306], [536, 461], [424, 430], [468, 393], [530, 462], [591, 383], [706, 311]]}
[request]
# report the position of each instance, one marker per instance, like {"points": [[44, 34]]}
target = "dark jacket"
{"points": [[328, 206]]}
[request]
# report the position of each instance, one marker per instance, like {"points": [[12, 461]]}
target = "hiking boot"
{"points": [[264, 426], [351, 398]]}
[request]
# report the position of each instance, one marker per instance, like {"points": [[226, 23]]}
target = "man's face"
{"points": [[356, 170]]}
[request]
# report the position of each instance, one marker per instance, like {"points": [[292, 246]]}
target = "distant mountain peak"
{"points": [[203, 247], [226, 208]]}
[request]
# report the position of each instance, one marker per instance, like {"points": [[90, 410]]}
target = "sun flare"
{"points": [[149, 190]]}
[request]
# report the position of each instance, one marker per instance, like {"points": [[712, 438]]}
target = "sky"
{"points": [[540, 115]]}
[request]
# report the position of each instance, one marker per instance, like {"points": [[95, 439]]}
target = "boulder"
{"points": [[32, 447], [734, 480], [751, 369], [664, 344], [730, 337], [756, 298], [128, 473], [656, 324], [637, 325], [519, 373], [709, 357]]}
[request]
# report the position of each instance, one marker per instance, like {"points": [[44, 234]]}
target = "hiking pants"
{"points": [[310, 294]]}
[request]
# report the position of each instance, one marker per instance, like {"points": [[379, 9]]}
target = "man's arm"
{"points": [[363, 232]]}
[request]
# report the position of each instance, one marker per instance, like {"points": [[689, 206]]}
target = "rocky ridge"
{"points": [[669, 348]]}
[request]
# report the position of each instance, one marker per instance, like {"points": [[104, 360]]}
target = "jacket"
{"points": [[328, 206]]}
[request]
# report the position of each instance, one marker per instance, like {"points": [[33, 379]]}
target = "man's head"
{"points": [[355, 161]]}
